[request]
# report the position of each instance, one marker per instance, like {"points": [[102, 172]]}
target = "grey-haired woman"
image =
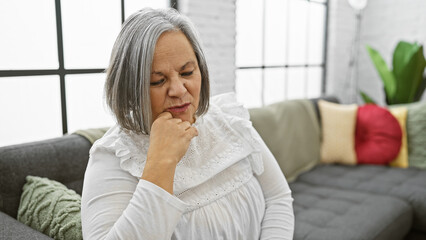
{"points": [[178, 164]]}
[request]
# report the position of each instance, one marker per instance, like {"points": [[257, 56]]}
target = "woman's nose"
{"points": [[177, 87]]}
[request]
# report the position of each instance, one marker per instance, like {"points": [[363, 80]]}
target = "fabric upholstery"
{"points": [[92, 134], [323, 213], [402, 159], [51, 208], [338, 132], [12, 229], [416, 129], [407, 184], [378, 135], [290, 129], [62, 159]]}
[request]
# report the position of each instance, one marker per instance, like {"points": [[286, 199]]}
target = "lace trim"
{"points": [[223, 183], [226, 136]]}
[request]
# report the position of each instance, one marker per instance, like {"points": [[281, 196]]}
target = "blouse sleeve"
{"points": [[117, 205], [278, 222]]}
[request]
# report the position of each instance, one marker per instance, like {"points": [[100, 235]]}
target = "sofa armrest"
{"points": [[12, 229]]}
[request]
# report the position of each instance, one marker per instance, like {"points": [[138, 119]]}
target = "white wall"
{"points": [[215, 21], [384, 23]]}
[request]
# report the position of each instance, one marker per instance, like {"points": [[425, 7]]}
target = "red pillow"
{"points": [[378, 136]]}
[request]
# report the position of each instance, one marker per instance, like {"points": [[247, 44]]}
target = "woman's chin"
{"points": [[185, 117]]}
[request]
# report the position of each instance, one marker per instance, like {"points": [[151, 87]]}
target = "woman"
{"points": [[178, 165]]}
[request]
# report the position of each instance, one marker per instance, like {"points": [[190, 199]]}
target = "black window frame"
{"points": [[61, 71]]}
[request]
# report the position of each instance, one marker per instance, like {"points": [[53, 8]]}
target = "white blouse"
{"points": [[227, 186]]}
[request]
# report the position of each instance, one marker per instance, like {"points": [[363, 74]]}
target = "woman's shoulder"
{"points": [[227, 104], [125, 146], [118, 140]]}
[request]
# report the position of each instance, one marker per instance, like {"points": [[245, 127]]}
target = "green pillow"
{"points": [[416, 134], [51, 208], [291, 131]]}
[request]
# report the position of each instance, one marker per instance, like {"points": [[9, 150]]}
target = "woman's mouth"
{"points": [[179, 109]]}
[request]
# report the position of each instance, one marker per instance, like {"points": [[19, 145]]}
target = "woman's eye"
{"points": [[157, 82], [185, 74]]}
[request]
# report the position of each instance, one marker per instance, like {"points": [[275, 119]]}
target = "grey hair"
{"points": [[129, 73]]}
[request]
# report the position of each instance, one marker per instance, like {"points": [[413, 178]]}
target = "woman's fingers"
{"points": [[165, 116], [192, 132], [185, 125]]}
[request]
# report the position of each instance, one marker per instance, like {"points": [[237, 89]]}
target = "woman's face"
{"points": [[175, 77]]}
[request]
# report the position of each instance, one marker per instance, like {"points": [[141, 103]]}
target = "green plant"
{"points": [[405, 83]]}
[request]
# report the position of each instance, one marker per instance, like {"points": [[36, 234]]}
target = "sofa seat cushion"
{"points": [[12, 229], [407, 184], [327, 213]]}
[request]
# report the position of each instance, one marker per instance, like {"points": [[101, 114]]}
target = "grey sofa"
{"points": [[331, 201]]}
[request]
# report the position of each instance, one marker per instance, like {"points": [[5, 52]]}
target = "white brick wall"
{"points": [[215, 21], [384, 24]]}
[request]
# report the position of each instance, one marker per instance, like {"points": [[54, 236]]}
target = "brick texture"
{"points": [[215, 22]]}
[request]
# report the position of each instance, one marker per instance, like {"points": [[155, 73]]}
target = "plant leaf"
{"points": [[410, 77], [402, 55], [386, 75], [366, 98]]}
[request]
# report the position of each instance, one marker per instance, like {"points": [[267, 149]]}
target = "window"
{"points": [[280, 50], [52, 62]]}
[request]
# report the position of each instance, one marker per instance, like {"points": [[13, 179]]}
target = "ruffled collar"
{"points": [[225, 136]]}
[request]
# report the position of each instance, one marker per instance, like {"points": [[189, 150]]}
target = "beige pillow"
{"points": [[400, 113], [338, 132]]}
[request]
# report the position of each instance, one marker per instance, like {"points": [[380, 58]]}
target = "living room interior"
{"points": [[316, 75]]}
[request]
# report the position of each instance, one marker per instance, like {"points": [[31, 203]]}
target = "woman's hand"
{"points": [[169, 140]]}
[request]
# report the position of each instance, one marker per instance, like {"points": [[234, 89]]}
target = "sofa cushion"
{"points": [[11, 229], [338, 132], [416, 133], [327, 213], [408, 184], [291, 131], [378, 135], [401, 160], [63, 159], [51, 208]]}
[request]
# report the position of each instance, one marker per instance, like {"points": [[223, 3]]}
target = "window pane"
{"points": [[275, 32], [296, 83], [28, 35], [132, 6], [298, 32], [31, 109], [316, 33], [249, 33], [248, 87], [85, 102], [274, 85], [314, 82], [89, 30]]}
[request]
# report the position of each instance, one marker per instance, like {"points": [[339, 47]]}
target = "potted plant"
{"points": [[405, 83]]}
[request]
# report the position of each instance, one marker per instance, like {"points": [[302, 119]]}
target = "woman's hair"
{"points": [[127, 86]]}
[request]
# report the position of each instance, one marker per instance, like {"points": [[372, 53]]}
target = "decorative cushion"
{"points": [[291, 131], [378, 135], [338, 131], [401, 160], [51, 208], [92, 134], [416, 135]]}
